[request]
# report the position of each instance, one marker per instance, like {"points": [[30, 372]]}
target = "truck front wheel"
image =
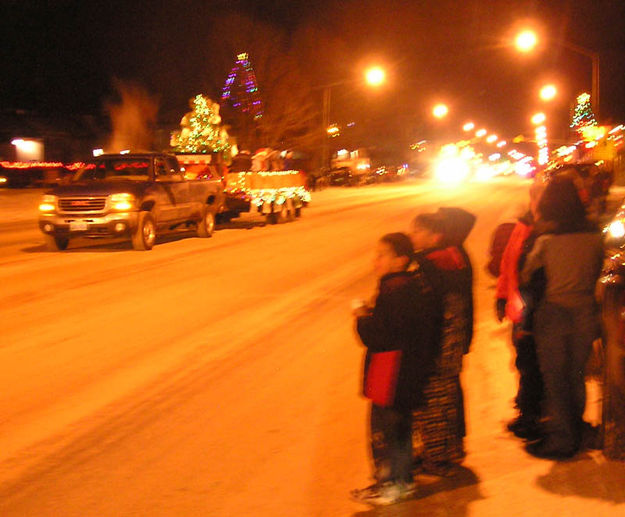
{"points": [[54, 243], [206, 225], [144, 236]]}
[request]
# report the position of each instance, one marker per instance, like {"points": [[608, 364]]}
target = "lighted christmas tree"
{"points": [[583, 117], [241, 88], [201, 130]]}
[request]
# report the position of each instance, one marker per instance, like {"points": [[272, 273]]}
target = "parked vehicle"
{"points": [[342, 177], [136, 195], [612, 291]]}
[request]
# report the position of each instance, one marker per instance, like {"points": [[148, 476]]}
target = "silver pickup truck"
{"points": [[134, 195]]}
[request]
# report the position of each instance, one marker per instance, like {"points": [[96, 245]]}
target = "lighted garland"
{"points": [[241, 88], [238, 183], [51, 165]]}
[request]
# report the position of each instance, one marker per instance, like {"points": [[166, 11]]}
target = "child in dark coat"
{"points": [[406, 318]]}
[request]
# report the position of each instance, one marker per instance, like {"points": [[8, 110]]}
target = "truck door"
{"points": [[174, 187], [167, 205], [180, 187]]}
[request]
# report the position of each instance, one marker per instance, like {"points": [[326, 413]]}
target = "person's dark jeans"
{"points": [[564, 337], [530, 394], [391, 443]]}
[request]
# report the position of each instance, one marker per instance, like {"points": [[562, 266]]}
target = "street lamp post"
{"points": [[327, 97], [527, 40], [594, 56], [374, 76], [540, 132]]}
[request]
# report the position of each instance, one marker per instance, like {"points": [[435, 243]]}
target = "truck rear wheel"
{"points": [[206, 225], [279, 217], [144, 236], [54, 243]]}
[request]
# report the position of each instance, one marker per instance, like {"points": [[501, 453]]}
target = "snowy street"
{"points": [[220, 377]]}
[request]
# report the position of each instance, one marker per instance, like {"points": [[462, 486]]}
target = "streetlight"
{"points": [[538, 118], [374, 76], [440, 110], [469, 126], [548, 92], [526, 40]]}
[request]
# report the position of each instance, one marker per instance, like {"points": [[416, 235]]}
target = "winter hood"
{"points": [[457, 222]]}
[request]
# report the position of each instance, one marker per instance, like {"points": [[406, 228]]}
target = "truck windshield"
{"points": [[114, 169]]}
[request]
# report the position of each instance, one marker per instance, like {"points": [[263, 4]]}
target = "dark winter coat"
{"points": [[449, 272], [407, 316], [457, 272]]}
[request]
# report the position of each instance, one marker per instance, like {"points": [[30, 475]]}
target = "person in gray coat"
{"points": [[569, 252]]}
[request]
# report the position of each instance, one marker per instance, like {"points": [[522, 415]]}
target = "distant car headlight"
{"points": [[451, 170], [48, 203], [122, 201], [3, 180], [616, 229]]}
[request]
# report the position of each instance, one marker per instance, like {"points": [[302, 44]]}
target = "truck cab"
{"points": [[136, 195]]}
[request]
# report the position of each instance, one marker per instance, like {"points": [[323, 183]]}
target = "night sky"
{"points": [[62, 56]]}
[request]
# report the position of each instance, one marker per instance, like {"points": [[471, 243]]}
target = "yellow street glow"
{"points": [[451, 166], [375, 76], [617, 229], [526, 40], [440, 110], [548, 92], [538, 118], [333, 130]]}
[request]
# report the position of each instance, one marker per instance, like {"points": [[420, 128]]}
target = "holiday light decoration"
{"points": [[583, 116], [45, 165], [201, 130], [241, 88], [264, 188], [541, 141]]}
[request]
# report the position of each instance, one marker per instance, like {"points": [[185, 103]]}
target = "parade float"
{"points": [[265, 182]]}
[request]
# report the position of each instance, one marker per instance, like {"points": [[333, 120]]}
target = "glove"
{"points": [[500, 309]]}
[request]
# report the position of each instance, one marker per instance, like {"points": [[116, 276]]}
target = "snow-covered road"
{"points": [[220, 376]]}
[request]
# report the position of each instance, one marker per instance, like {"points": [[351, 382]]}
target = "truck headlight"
{"points": [[48, 203], [122, 201]]}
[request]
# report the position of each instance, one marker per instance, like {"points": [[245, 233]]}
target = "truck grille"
{"points": [[82, 204]]}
